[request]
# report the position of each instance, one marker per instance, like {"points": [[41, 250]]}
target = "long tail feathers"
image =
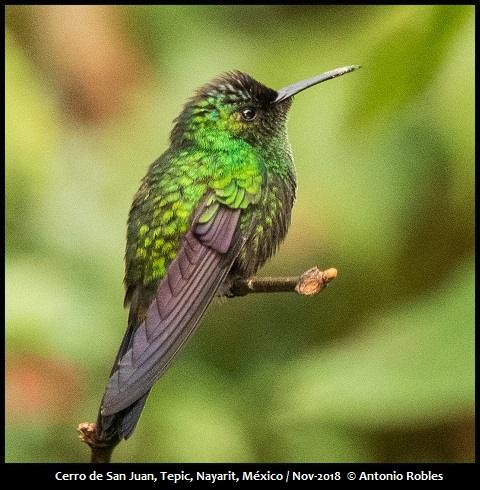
{"points": [[182, 296]]}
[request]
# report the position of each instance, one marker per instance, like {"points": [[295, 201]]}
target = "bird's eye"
{"points": [[248, 114]]}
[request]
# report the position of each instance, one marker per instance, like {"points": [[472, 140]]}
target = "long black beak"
{"points": [[285, 93]]}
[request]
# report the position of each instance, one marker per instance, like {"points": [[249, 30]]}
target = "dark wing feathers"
{"points": [[182, 296]]}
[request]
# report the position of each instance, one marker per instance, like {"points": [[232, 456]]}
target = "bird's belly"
{"points": [[264, 230]]}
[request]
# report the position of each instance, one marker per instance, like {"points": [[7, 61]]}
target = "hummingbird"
{"points": [[209, 211]]}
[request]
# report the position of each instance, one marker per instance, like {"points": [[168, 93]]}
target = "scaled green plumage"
{"points": [[214, 153]]}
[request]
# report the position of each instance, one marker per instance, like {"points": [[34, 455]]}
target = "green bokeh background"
{"points": [[377, 368]]}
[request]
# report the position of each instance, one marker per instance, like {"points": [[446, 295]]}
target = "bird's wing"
{"points": [[192, 279]]}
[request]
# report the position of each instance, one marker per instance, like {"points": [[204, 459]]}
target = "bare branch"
{"points": [[101, 451], [309, 283]]}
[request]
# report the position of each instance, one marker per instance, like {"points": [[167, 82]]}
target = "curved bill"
{"points": [[287, 92]]}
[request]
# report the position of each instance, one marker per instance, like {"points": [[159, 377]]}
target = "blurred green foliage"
{"points": [[380, 366]]}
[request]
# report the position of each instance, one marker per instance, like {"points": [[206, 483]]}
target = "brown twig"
{"points": [[101, 451], [309, 283]]}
